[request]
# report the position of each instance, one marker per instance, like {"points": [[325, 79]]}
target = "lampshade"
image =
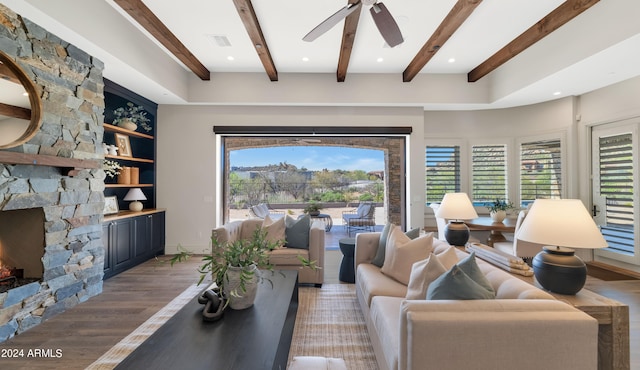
{"points": [[136, 195], [560, 224], [456, 206]]}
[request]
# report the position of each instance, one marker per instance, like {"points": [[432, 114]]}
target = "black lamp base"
{"points": [[456, 233], [559, 270]]}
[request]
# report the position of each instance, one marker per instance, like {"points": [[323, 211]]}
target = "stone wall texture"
{"points": [[70, 84]]}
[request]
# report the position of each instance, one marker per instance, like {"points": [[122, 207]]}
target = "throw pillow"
{"points": [[423, 273], [448, 257], [297, 232], [455, 284], [363, 209], [470, 267], [378, 260], [275, 229], [401, 253]]}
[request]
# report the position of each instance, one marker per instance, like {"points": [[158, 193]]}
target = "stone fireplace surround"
{"points": [[70, 85]]}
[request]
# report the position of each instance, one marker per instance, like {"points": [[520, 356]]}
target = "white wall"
{"points": [[188, 155]]}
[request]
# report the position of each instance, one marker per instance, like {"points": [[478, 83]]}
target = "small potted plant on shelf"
{"points": [[498, 209], [111, 168], [131, 116], [313, 208]]}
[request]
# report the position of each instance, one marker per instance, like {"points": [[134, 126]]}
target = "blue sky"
{"points": [[313, 158]]}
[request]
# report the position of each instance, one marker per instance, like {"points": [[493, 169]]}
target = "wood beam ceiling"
{"points": [[251, 24], [348, 36], [456, 17], [554, 20], [145, 17]]}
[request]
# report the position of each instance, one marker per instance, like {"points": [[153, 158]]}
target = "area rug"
{"points": [[330, 324]]}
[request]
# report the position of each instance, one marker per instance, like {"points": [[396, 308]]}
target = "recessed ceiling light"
{"points": [[380, 60], [230, 57], [305, 59], [557, 93], [452, 60]]}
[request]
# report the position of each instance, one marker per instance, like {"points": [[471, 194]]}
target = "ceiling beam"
{"points": [[145, 17], [251, 24], [551, 22], [348, 36], [13, 111], [457, 15]]}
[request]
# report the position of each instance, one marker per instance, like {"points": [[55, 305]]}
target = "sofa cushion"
{"points": [[287, 256], [275, 229], [297, 232], [363, 210], [372, 283], [424, 272], [401, 253], [385, 318], [470, 267], [456, 285]]}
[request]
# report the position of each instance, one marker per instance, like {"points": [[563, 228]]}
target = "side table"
{"points": [[347, 270], [325, 218]]}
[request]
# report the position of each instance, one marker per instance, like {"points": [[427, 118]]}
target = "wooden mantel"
{"points": [[69, 165]]}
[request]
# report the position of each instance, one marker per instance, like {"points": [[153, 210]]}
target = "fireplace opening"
{"points": [[21, 247]]}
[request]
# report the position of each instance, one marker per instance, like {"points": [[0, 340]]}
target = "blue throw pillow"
{"points": [[378, 260], [455, 284], [471, 268], [297, 232]]}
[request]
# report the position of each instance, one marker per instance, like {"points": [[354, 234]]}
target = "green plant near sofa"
{"points": [[242, 253]]}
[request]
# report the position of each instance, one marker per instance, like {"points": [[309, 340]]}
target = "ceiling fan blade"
{"points": [[328, 23], [386, 25]]}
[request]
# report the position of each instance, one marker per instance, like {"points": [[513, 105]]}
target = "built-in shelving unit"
{"points": [[131, 237]]}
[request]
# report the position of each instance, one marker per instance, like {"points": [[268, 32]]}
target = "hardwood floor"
{"points": [[88, 330]]}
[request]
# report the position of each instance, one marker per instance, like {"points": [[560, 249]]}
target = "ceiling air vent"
{"points": [[220, 40]]}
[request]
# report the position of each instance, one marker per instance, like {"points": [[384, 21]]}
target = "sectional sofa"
{"points": [[522, 328]]}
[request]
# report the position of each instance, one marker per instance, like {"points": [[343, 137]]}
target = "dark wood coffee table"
{"points": [[256, 338]]}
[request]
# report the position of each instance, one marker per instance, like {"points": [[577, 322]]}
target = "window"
{"points": [[615, 173], [540, 171], [489, 170], [442, 171]]}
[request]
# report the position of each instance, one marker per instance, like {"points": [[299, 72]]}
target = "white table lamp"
{"points": [[456, 207], [560, 224], [136, 195]]}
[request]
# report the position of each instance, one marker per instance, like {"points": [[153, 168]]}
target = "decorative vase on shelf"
{"points": [[498, 216], [124, 177], [239, 300], [127, 124]]}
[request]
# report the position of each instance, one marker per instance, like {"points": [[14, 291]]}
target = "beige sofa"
{"points": [[283, 258], [524, 328]]}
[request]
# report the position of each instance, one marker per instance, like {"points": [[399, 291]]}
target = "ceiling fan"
{"points": [[384, 21]]}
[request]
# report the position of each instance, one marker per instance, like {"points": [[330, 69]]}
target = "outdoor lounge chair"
{"points": [[262, 210], [361, 218]]}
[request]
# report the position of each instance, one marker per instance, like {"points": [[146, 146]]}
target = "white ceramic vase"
{"points": [[239, 300], [127, 124], [498, 216]]}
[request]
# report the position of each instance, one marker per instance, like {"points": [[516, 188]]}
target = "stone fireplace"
{"points": [[21, 247], [51, 205]]}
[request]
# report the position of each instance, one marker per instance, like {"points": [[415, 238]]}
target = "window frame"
{"points": [[564, 177]]}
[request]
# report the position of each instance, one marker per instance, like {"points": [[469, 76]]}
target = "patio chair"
{"points": [[361, 218], [262, 210]]}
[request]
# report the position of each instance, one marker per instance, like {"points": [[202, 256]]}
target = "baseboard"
{"points": [[595, 268]]}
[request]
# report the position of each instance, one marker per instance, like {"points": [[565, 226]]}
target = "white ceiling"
{"points": [[598, 48]]}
